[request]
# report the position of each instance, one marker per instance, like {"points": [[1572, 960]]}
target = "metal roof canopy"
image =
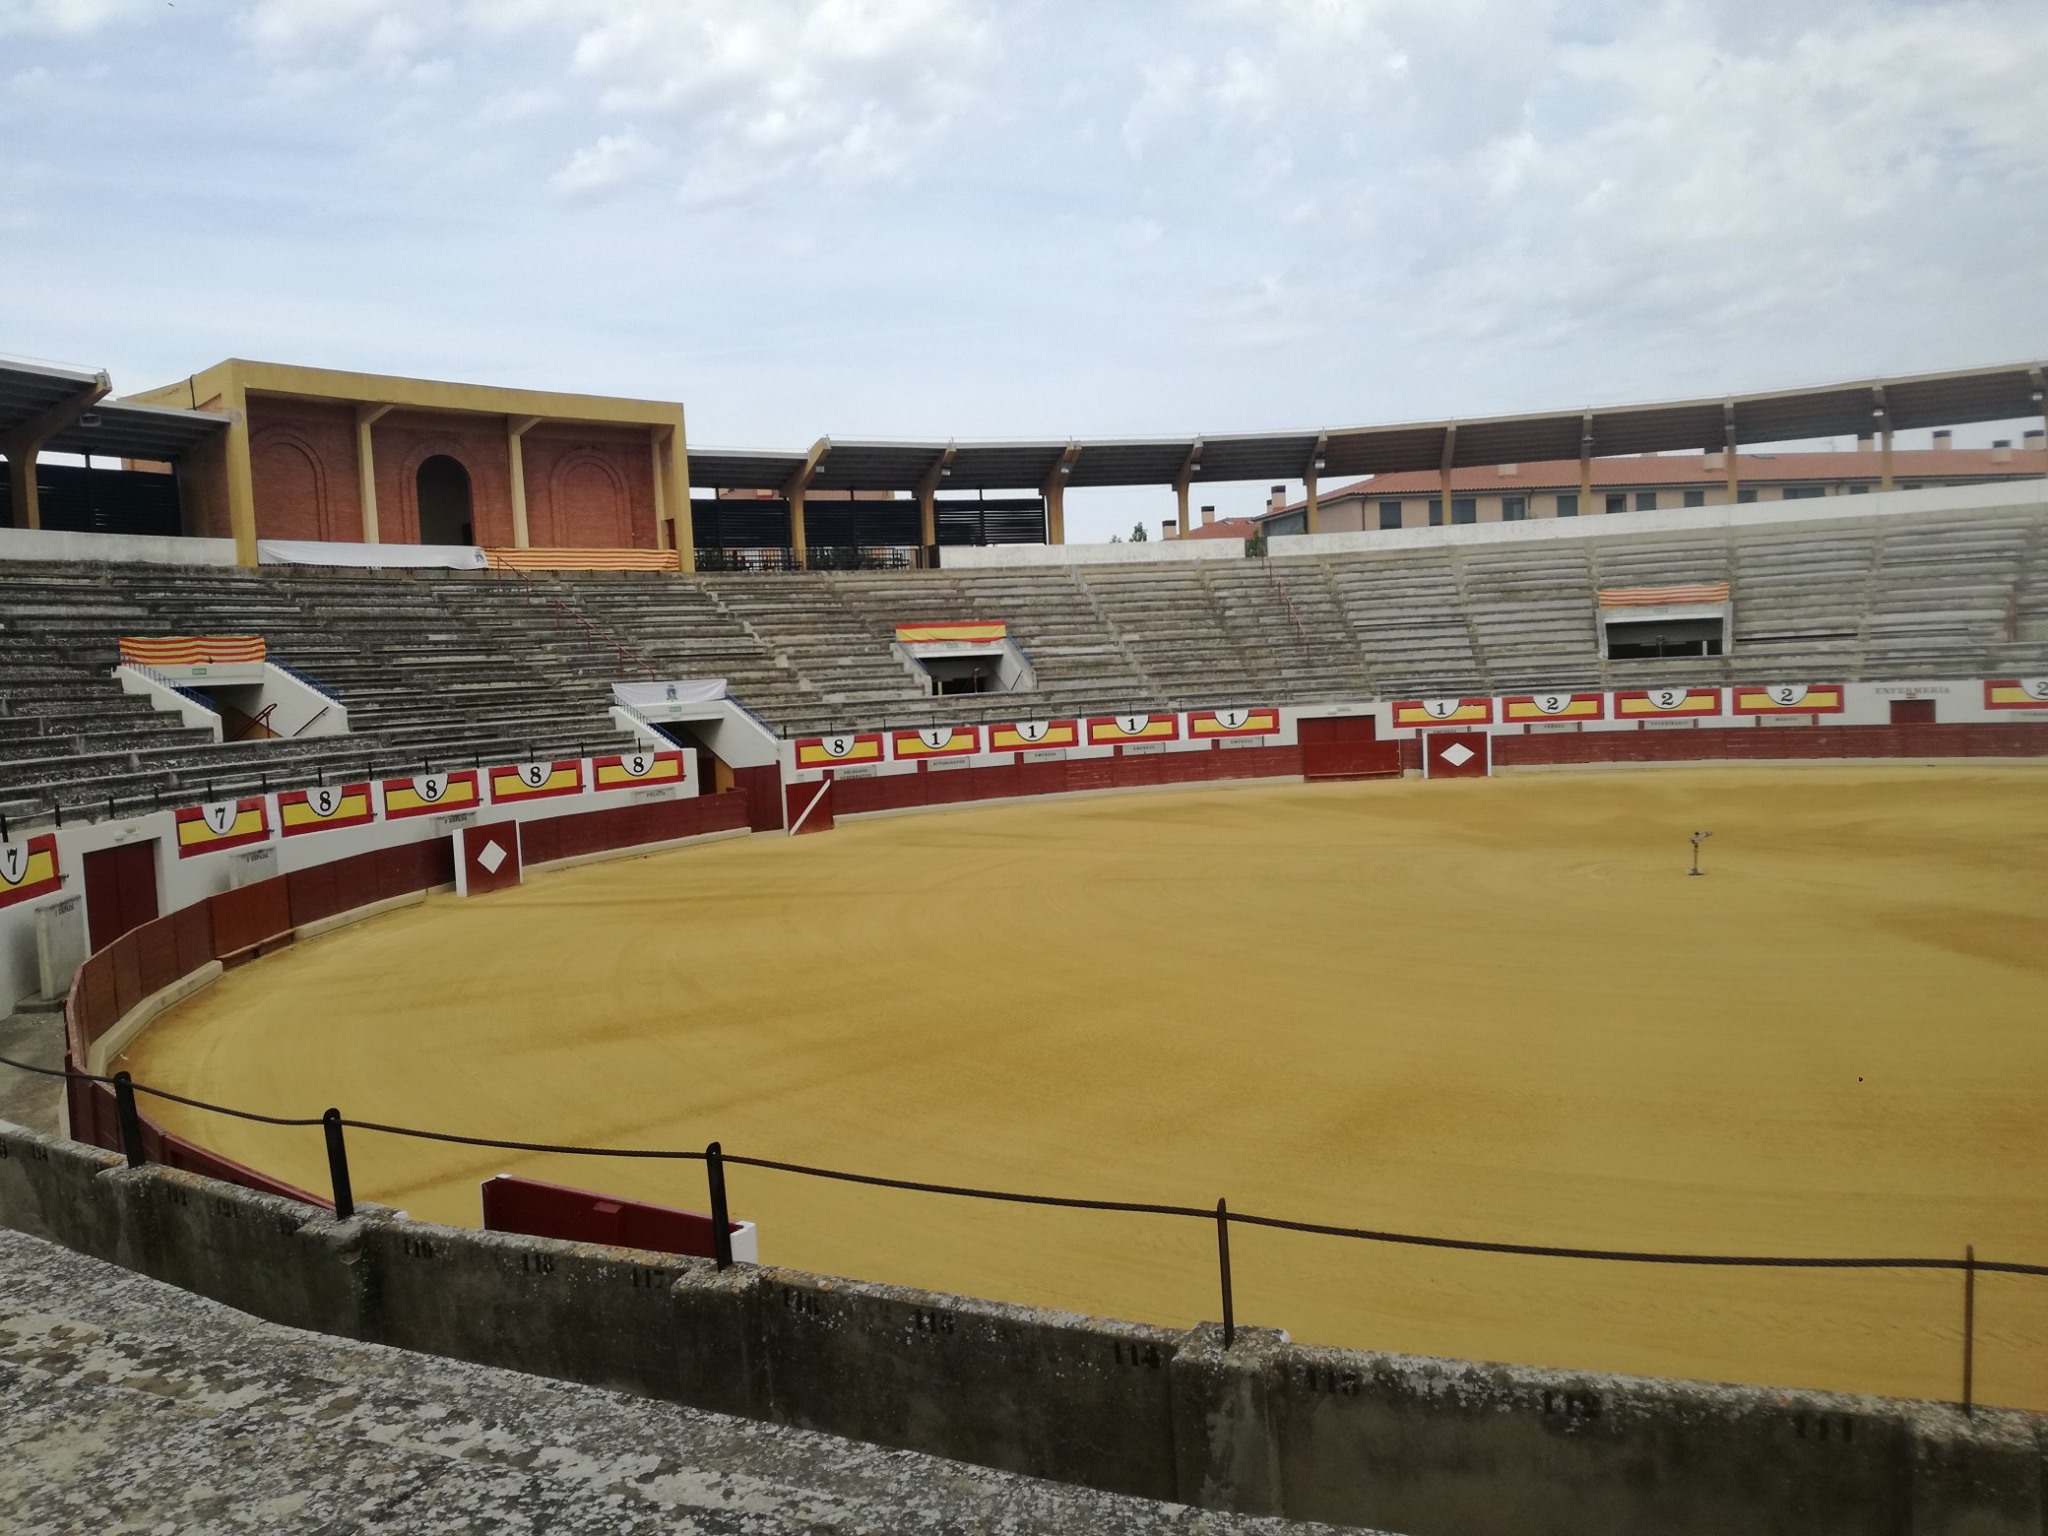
{"points": [[1832, 410], [158, 433], [107, 428]]}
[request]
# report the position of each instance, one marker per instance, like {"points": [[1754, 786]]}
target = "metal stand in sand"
{"points": [[1697, 839]]}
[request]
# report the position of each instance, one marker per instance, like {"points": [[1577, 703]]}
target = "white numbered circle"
{"points": [[2034, 687], [1667, 698], [837, 746], [325, 802], [1785, 695], [430, 787], [1440, 709], [637, 764], [1551, 703], [533, 775], [1133, 725], [13, 863], [936, 737], [1233, 719], [1032, 730], [220, 817]]}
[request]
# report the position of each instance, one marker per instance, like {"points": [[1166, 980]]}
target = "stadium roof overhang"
{"points": [[1922, 400], [63, 410]]}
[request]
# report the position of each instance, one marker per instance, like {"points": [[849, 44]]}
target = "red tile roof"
{"points": [[1693, 472], [1226, 528]]}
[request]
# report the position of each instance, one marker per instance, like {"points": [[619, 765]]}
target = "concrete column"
{"points": [[797, 540], [660, 496], [367, 416], [1728, 454], [1312, 507], [672, 463], [928, 502], [516, 428], [1180, 491], [1450, 452], [1586, 465], [241, 482], [1055, 493]]}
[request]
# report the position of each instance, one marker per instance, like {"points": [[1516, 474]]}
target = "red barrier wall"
{"points": [[578, 1215], [1004, 781], [252, 916], [1771, 744]]}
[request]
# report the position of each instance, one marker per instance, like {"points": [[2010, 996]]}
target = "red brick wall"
{"points": [[404, 440], [302, 465], [589, 488]]}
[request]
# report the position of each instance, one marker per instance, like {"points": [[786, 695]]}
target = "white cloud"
{"points": [[611, 162], [65, 17]]}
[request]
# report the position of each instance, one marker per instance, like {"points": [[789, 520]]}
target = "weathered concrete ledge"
{"points": [[1428, 1447]]}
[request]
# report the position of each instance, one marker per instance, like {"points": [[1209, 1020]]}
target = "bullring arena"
{"points": [[1522, 1024], [1645, 1061]]}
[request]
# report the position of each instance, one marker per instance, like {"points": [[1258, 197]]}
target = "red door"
{"points": [[120, 891], [1347, 747], [810, 806], [1456, 754], [763, 789]]}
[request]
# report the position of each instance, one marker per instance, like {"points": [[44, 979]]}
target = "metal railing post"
{"points": [[337, 1166], [1223, 1262], [130, 1121], [721, 1223], [1969, 1328]]}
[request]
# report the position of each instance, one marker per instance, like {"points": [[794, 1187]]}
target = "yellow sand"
{"points": [[1493, 1009]]}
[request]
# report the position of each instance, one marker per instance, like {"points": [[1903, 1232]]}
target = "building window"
{"points": [[1513, 508], [1859, 490], [1746, 493], [1390, 514], [1617, 501], [1646, 501], [1464, 509], [1695, 498], [1436, 511], [1567, 503], [1804, 492], [1909, 485]]}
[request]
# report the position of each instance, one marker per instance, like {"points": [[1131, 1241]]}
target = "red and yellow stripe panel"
{"points": [[222, 825], [192, 650], [29, 870], [1788, 699], [583, 560], [842, 750], [1534, 708], [1208, 724], [536, 781], [935, 741], [2016, 693], [1667, 703], [324, 809], [431, 794], [1422, 713], [1033, 735], [963, 632], [1664, 597], [1121, 730], [633, 770]]}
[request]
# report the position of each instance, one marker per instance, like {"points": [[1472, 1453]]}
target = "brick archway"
{"points": [[409, 488], [289, 482], [589, 503]]}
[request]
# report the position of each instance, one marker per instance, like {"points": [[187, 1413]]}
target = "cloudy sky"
{"points": [[965, 218]]}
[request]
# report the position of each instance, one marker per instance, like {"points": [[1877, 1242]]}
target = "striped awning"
{"points": [[582, 560], [1664, 597], [191, 650]]}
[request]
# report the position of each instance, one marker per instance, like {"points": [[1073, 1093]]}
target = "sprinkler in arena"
{"points": [[1697, 839]]}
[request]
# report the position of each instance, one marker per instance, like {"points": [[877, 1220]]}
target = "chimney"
{"points": [[1715, 462], [1278, 499], [1943, 438], [1865, 443], [1208, 516], [1169, 528], [1508, 470], [2034, 441], [2001, 450]]}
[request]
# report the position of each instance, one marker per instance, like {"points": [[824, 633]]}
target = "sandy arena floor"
{"points": [[1490, 1009]]}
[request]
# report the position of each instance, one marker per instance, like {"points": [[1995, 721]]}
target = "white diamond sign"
{"points": [[491, 858], [1457, 754]]}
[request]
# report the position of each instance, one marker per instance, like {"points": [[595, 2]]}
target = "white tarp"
{"points": [[395, 557], [700, 690]]}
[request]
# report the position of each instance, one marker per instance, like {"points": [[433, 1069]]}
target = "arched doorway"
{"points": [[445, 516]]}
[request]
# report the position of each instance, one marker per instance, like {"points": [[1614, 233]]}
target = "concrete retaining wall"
{"points": [[1427, 1447]]}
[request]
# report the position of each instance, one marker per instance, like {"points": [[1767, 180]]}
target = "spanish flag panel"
{"points": [[1410, 713], [536, 781], [1789, 699], [1033, 735], [632, 770], [1116, 730], [935, 741], [1666, 703], [29, 869], [2016, 693], [1534, 708], [431, 794], [1207, 724], [961, 632], [840, 751], [324, 809], [222, 825], [191, 650]]}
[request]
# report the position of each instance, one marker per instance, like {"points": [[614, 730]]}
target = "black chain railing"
{"points": [[333, 1126]]}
